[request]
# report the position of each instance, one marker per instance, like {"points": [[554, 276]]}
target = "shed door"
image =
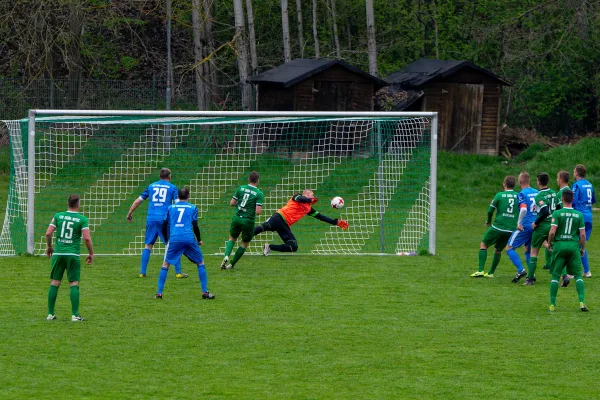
{"points": [[463, 107], [332, 96]]}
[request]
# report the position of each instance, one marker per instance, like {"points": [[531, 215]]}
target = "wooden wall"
{"points": [[335, 89]]}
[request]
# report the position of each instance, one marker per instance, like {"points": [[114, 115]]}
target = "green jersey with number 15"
{"points": [[69, 225], [507, 210], [248, 198], [568, 222]]}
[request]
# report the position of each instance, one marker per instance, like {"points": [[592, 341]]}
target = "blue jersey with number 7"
{"points": [[180, 217], [161, 194]]}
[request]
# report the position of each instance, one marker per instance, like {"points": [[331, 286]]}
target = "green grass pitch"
{"points": [[303, 327]]}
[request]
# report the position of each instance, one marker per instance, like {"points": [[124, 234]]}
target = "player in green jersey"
{"points": [[506, 206], [545, 204], [247, 200], [562, 179], [70, 227], [567, 242]]}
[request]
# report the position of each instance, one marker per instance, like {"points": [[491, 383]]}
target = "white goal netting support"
{"points": [[382, 164]]}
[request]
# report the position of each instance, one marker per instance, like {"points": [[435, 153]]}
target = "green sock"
{"points": [[495, 262], [229, 247], [52, 293], [580, 289], [74, 300], [532, 267], [553, 291], [548, 258], [238, 254], [482, 259]]}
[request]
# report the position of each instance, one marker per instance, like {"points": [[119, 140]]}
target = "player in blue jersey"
{"points": [[161, 194], [180, 230], [584, 197], [522, 236]]}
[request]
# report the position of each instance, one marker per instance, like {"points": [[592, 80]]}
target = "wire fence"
{"points": [[17, 96]]}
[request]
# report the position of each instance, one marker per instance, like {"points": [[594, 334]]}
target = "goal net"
{"points": [[382, 164]]}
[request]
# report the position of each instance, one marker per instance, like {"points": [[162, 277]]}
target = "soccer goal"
{"points": [[382, 164]]}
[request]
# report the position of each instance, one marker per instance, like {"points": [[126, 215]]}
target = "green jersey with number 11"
{"points": [[568, 222], [69, 225], [248, 198], [507, 210]]}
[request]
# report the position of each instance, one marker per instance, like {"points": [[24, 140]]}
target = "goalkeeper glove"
{"points": [[313, 200], [342, 224]]}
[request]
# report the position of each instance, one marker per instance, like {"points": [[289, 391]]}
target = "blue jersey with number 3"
{"points": [[179, 218], [161, 194], [527, 198], [583, 198]]}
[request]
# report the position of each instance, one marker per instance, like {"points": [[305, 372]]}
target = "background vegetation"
{"points": [[548, 49]]}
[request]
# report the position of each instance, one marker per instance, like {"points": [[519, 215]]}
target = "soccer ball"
{"points": [[337, 202]]}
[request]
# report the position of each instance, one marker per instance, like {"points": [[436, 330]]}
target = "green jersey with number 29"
{"points": [[507, 210], [69, 225], [248, 198], [568, 222], [546, 197]]}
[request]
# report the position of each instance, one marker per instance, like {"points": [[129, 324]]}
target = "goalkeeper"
{"points": [[296, 208]]}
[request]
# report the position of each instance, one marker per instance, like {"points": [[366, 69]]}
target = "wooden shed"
{"points": [[316, 85], [466, 97]]}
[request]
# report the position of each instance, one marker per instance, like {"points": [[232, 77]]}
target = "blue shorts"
{"points": [[189, 249], [588, 230], [153, 231], [520, 238]]}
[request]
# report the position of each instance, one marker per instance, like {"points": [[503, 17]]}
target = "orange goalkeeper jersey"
{"points": [[293, 211]]}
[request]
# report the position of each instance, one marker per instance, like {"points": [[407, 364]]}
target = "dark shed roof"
{"points": [[299, 69], [419, 72]]}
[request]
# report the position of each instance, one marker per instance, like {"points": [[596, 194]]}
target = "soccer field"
{"points": [[311, 327]]}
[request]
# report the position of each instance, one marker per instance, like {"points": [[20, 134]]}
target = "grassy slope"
{"points": [[315, 327]]}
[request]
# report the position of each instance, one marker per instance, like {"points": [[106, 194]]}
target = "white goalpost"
{"points": [[384, 165]]}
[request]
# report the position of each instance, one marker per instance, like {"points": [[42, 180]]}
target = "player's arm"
{"points": [[235, 198], [582, 240], [522, 214], [303, 199], [259, 202], [87, 238], [542, 214], [233, 202], [339, 222], [593, 196], [165, 227], [135, 205], [49, 234], [195, 226], [551, 235]]}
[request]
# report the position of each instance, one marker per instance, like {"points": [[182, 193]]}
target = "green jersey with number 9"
{"points": [[248, 198], [69, 225], [507, 210], [546, 198], [568, 222]]}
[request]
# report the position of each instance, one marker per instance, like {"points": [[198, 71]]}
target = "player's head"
{"points": [[579, 171], [165, 173], [73, 202], [183, 194], [253, 178], [524, 179], [509, 182], [308, 193], [567, 197], [543, 179], [563, 178]]}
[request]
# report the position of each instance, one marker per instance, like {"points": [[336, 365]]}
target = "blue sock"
{"points": [[203, 278], [516, 260], [178, 266], [585, 262], [162, 278], [145, 260], [527, 257]]}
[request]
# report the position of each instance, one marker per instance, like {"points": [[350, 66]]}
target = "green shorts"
{"points": [[495, 237], [539, 235], [245, 226], [566, 254], [61, 263]]}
